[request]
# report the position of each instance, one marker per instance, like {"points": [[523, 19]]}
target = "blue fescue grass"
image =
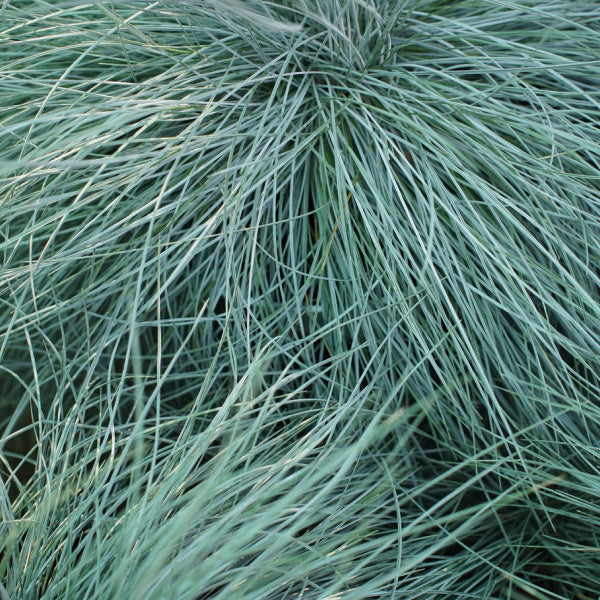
{"points": [[300, 300]]}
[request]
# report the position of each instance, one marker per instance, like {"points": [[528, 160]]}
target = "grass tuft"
{"points": [[299, 299]]}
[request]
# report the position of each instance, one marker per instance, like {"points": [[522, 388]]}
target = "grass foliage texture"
{"points": [[300, 300]]}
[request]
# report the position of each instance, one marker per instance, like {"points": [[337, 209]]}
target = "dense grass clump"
{"points": [[300, 299]]}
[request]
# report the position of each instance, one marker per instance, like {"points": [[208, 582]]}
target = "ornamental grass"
{"points": [[300, 300]]}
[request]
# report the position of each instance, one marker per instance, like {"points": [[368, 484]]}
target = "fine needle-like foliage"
{"points": [[300, 300]]}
